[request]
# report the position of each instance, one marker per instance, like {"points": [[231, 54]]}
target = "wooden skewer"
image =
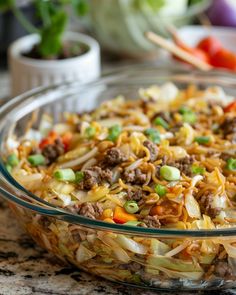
{"points": [[177, 51]]}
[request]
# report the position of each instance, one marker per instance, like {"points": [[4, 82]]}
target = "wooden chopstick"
{"points": [[177, 51]]}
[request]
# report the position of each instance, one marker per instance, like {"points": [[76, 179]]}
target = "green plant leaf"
{"points": [[81, 7], [51, 36], [6, 4]]}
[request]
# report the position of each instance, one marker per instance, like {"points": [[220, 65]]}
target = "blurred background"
{"points": [[118, 26]]}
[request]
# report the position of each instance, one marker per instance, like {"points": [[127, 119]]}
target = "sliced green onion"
{"points": [[170, 173], [153, 135], [198, 170], [114, 132], [184, 110], [9, 168], [90, 132], [131, 207], [132, 223], [188, 115], [161, 122], [64, 174], [202, 139], [160, 190], [231, 164], [12, 160], [79, 176], [36, 160], [190, 118]]}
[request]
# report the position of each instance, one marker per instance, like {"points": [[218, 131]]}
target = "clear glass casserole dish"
{"points": [[92, 244]]}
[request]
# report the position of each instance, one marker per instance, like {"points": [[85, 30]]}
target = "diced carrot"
{"points": [[66, 139], [157, 210], [230, 107], [121, 216]]}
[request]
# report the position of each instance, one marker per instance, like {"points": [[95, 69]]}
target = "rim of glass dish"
{"points": [[46, 208]]}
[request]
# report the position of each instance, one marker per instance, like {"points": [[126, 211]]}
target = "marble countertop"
{"points": [[26, 269]]}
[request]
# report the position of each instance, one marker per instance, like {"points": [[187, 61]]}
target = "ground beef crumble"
{"points": [[153, 149], [52, 151], [90, 210], [113, 157], [135, 176], [135, 195], [151, 221], [95, 175], [228, 128], [205, 203], [222, 269]]}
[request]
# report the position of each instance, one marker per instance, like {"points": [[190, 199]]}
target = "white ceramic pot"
{"points": [[28, 73]]}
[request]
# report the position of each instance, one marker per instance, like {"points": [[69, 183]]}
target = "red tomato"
{"points": [[202, 55], [52, 136], [210, 45], [224, 59], [66, 139]]}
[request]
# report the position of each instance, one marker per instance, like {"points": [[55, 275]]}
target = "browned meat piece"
{"points": [[206, 206], [151, 221], [113, 157], [78, 127], [91, 178], [52, 151], [95, 175], [135, 195], [134, 176], [228, 127], [176, 127], [222, 269], [153, 149], [91, 210], [184, 165]]}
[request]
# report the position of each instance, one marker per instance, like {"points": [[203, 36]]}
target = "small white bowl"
{"points": [[28, 73], [191, 35]]}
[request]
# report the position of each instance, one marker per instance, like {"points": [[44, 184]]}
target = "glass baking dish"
{"points": [[68, 235]]}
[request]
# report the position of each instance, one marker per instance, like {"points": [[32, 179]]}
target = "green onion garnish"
{"points": [[198, 170], [161, 122], [170, 173], [188, 115], [64, 174], [231, 164], [160, 190], [90, 132], [36, 160], [153, 135], [202, 139], [190, 118], [12, 160], [132, 223], [9, 168], [79, 176], [184, 110], [131, 207], [114, 132]]}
